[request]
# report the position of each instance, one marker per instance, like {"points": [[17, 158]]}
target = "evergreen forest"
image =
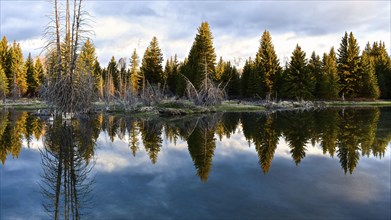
{"points": [[343, 73]]}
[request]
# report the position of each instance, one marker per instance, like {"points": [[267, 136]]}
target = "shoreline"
{"points": [[178, 108]]}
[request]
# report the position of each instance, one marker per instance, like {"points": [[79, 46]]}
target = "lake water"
{"points": [[333, 164]]}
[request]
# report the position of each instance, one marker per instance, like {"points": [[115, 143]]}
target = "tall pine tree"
{"points": [[382, 64], [202, 52], [3, 67], [171, 71], [299, 82], [315, 70], [151, 67], [328, 85], [112, 78], [32, 78], [348, 66], [248, 68], [268, 64], [3, 83], [17, 77], [135, 75], [368, 85], [39, 71], [98, 78], [4, 57], [87, 59]]}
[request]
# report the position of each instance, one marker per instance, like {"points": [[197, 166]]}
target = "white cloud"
{"points": [[237, 26]]}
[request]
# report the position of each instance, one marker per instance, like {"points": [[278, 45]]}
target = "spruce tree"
{"points": [[202, 52], [219, 70], [172, 72], [32, 78], [111, 78], [279, 83], [4, 49], [3, 83], [368, 86], [98, 78], [39, 71], [245, 80], [228, 78], [151, 67], [87, 59], [268, 64], [17, 77], [4, 86], [299, 82], [315, 70], [135, 75], [382, 64], [231, 80], [348, 66], [113, 74], [329, 81]]}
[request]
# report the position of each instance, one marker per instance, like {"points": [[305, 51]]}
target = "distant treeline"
{"points": [[343, 73]]}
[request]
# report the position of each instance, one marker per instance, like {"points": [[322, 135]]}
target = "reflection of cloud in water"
{"points": [[116, 156], [367, 185], [34, 144]]}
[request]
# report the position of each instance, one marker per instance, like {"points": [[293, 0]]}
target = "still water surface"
{"points": [[333, 163]]}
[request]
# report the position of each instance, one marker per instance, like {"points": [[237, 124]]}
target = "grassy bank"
{"points": [[235, 106], [24, 104], [184, 107], [376, 103]]}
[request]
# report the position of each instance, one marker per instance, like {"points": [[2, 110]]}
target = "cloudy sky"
{"points": [[120, 26]]}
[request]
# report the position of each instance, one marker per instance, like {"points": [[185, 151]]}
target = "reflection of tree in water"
{"points": [[345, 133], [201, 144], [66, 184], [133, 136], [298, 129], [357, 130], [227, 124], [151, 134], [328, 128], [14, 126], [268, 143], [261, 130], [383, 134], [33, 127]]}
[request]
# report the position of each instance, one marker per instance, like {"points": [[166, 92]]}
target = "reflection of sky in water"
{"points": [[132, 187]]}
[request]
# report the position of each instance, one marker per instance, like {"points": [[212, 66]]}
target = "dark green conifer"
{"points": [[32, 78], [268, 64], [299, 82], [315, 70], [368, 86], [135, 76], [329, 81], [113, 73], [202, 52], [151, 67], [171, 72], [348, 66], [382, 64]]}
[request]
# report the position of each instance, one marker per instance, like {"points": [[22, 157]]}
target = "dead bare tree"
{"points": [[208, 93], [68, 90]]}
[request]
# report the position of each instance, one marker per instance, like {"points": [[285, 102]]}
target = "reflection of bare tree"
{"points": [[66, 184]]}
